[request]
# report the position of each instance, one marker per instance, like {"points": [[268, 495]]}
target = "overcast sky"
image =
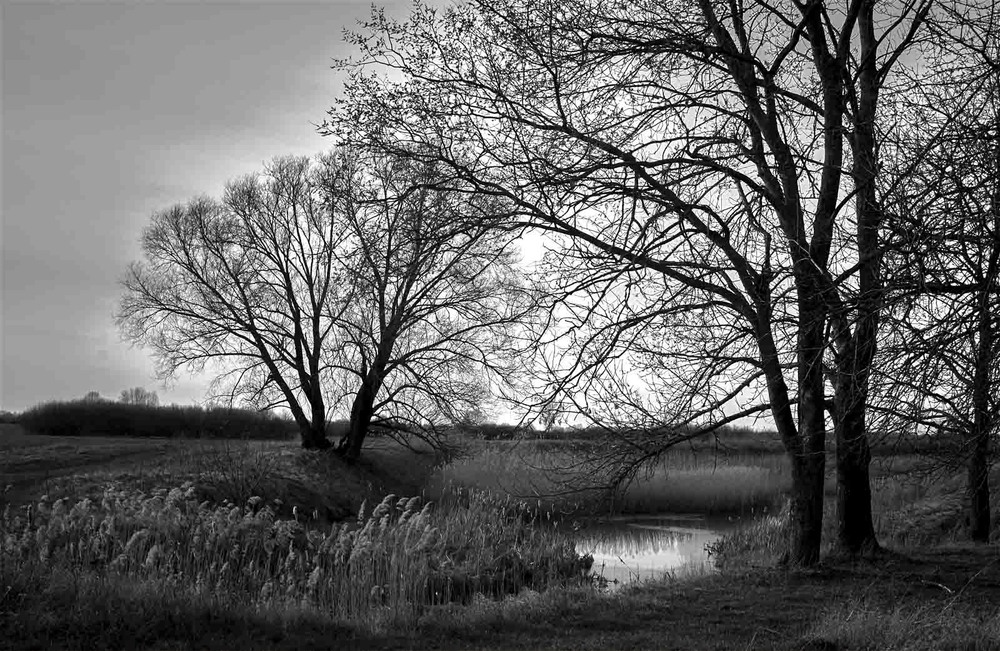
{"points": [[111, 111]]}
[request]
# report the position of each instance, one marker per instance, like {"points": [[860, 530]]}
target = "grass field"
{"points": [[552, 477], [202, 565], [78, 467]]}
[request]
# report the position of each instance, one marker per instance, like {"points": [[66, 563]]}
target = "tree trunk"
{"points": [[319, 421], [855, 354], [978, 440], [314, 434], [809, 456], [978, 487], [855, 527], [361, 417], [978, 492], [807, 508]]}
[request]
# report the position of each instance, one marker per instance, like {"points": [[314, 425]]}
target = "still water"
{"points": [[638, 548]]}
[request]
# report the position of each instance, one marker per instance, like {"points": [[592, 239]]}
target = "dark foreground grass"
{"points": [[174, 557], [942, 599]]}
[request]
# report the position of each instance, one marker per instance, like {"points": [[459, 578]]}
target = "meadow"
{"points": [[120, 542]]}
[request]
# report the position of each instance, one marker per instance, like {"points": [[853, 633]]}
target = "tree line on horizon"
{"points": [[787, 209]]}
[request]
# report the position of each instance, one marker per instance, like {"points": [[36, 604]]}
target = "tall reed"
{"points": [[390, 563]]}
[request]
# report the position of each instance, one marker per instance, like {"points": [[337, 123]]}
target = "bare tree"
{"points": [[135, 396], [349, 284], [722, 155], [248, 283], [940, 370], [438, 297]]}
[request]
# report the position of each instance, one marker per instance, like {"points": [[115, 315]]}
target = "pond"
{"points": [[637, 548]]}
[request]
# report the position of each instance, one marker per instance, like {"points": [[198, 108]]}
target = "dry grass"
{"points": [[380, 571], [684, 482], [906, 627], [553, 479], [78, 467]]}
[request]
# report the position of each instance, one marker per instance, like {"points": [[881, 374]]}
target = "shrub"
{"points": [[105, 418]]}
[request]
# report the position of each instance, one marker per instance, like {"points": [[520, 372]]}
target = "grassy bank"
{"points": [[156, 563], [897, 603], [79, 467], [382, 570]]}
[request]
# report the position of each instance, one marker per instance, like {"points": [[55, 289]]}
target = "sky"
{"points": [[111, 111]]}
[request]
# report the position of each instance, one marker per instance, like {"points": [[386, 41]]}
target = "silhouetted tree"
{"points": [[133, 396], [247, 282], [711, 169], [346, 283], [437, 296], [940, 371]]}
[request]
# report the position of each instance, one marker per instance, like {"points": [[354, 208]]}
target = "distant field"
{"points": [[33, 465]]}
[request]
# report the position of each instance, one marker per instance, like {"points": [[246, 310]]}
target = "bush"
{"points": [[8, 418], [90, 418]]}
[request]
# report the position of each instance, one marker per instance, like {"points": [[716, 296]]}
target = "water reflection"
{"points": [[638, 548]]}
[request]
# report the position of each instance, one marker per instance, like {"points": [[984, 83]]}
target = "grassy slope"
{"points": [[933, 597], [76, 467]]}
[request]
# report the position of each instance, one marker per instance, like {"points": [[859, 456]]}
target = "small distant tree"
{"points": [[93, 396], [135, 396]]}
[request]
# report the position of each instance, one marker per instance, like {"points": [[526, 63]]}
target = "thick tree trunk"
{"points": [[805, 440], [314, 434], [855, 526], [809, 456], [978, 440], [807, 508], [855, 353], [361, 417], [978, 492], [978, 486]]}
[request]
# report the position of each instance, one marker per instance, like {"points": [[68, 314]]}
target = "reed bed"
{"points": [[736, 483], [388, 565], [556, 479]]}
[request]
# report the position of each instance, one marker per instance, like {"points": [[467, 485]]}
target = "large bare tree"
{"points": [[246, 286], [722, 154], [438, 297], [347, 284]]}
